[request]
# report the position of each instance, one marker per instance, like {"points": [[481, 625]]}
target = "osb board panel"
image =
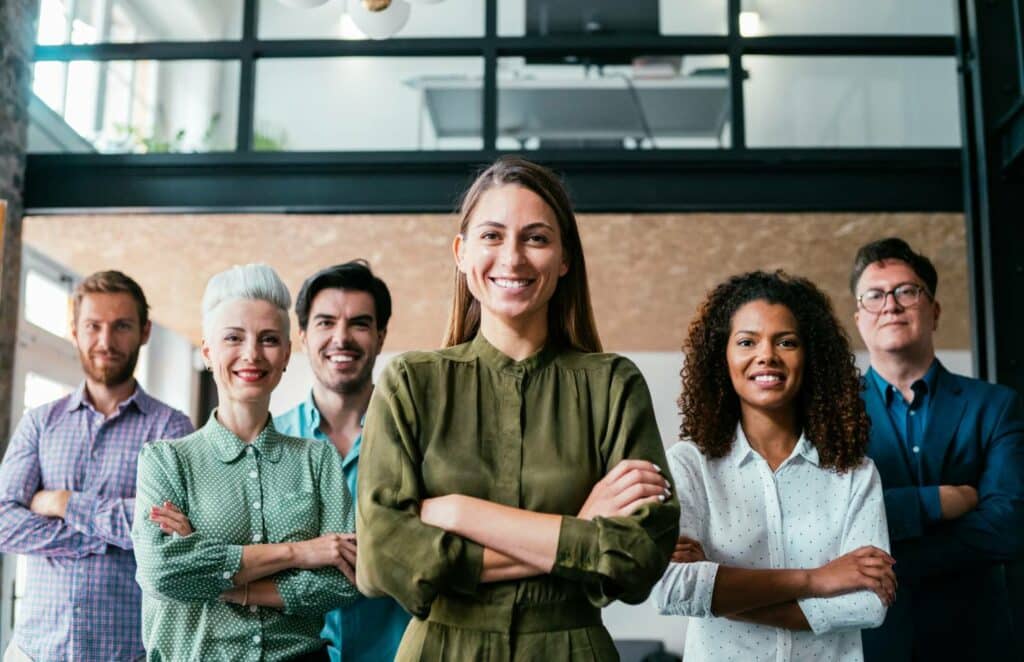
{"points": [[648, 272]]}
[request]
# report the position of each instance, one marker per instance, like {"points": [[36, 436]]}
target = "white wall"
{"points": [[169, 371], [661, 370]]}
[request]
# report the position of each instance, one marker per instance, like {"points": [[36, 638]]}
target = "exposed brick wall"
{"points": [[647, 271]]}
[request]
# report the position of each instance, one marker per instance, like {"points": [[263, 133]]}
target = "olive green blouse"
{"points": [[535, 434], [275, 489]]}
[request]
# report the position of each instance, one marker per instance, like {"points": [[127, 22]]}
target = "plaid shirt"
{"points": [[81, 602]]}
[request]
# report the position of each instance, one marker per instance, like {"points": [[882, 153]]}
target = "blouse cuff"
{"points": [[577, 555], [467, 568], [232, 564]]}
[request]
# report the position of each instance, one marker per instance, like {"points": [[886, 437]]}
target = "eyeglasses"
{"points": [[906, 295]]}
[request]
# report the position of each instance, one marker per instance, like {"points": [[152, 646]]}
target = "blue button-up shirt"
{"points": [[910, 420], [81, 600], [372, 628]]}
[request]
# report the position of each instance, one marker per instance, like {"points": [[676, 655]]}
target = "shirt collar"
{"points": [[229, 447], [925, 385], [741, 450], [313, 416], [311, 412], [139, 398], [495, 358]]}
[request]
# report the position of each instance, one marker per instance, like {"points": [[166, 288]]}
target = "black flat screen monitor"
{"points": [[574, 17]]}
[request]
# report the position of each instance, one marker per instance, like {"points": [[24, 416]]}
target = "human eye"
{"points": [[745, 342], [271, 339], [232, 337], [490, 235], [872, 296], [791, 342]]}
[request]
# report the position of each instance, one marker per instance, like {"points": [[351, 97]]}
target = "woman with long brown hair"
{"points": [[782, 514], [511, 485]]}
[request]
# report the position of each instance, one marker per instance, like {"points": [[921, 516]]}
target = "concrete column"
{"points": [[17, 38]]}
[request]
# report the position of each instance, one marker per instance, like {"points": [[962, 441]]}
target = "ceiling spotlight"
{"points": [[750, 24], [379, 23]]}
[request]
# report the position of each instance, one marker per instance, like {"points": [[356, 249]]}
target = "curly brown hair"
{"points": [[830, 407]]}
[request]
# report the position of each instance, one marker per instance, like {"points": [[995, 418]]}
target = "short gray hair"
{"points": [[258, 282]]}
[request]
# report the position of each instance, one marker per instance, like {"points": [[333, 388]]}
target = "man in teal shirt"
{"points": [[343, 316]]}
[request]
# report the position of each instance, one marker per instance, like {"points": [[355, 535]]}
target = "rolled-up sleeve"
{"points": [[621, 558], [686, 589], [21, 530], [192, 568], [865, 524], [399, 555], [315, 592]]}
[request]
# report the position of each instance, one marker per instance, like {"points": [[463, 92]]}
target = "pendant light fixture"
{"points": [[377, 19]]}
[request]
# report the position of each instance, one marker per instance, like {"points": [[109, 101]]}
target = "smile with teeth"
{"points": [[341, 358], [512, 283], [768, 379]]}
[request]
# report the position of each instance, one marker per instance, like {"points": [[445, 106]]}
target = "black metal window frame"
{"points": [[736, 177]]}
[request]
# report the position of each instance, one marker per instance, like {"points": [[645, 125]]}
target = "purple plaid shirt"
{"points": [[81, 602]]}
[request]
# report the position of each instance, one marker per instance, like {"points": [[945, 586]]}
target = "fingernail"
{"points": [[661, 497], [668, 491], [656, 467]]}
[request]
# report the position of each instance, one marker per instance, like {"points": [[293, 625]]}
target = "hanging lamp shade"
{"points": [[302, 4], [379, 23]]}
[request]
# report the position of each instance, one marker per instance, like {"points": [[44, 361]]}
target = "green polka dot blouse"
{"points": [[273, 490]]}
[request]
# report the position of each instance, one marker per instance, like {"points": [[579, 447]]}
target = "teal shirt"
{"points": [[371, 628]]}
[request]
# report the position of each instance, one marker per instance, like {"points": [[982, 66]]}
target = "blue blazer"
{"points": [[952, 601]]}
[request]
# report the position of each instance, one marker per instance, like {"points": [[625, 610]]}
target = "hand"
{"points": [[866, 568], [442, 511], [330, 549], [235, 595], [50, 503], [170, 519], [957, 500], [629, 485], [688, 550]]}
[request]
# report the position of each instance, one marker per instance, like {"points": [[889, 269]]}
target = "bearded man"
{"points": [[67, 487]]}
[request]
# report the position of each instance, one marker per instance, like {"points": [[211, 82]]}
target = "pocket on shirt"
{"points": [[293, 516]]}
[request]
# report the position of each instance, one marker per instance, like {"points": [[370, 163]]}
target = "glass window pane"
{"points": [[777, 17], [851, 102], [39, 390], [105, 21], [649, 103], [517, 18], [366, 103], [134, 106], [46, 304], [403, 19]]}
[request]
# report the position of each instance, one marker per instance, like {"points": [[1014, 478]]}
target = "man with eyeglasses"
{"points": [[950, 451]]}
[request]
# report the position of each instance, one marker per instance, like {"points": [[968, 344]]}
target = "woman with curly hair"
{"points": [[784, 547]]}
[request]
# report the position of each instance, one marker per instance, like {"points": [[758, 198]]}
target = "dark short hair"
{"points": [[893, 248], [110, 282], [355, 275]]}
